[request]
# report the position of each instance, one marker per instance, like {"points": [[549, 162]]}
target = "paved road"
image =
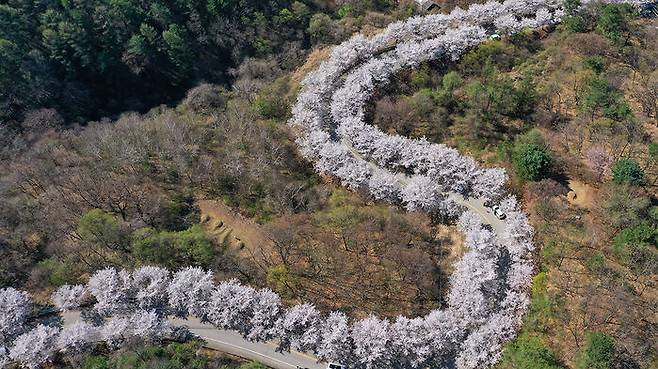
{"points": [[473, 204], [477, 205], [233, 343]]}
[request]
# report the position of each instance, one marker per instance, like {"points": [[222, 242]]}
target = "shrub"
{"points": [[595, 63], [574, 24], [205, 98], [601, 97], [528, 352], [320, 27], [282, 280], [541, 303], [178, 214], [635, 247], [173, 249], [57, 272], [344, 11], [99, 227], [613, 22], [532, 162], [252, 365], [598, 353], [627, 171]]}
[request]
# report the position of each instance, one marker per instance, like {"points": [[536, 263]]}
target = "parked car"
{"points": [[336, 366], [499, 213], [649, 10]]}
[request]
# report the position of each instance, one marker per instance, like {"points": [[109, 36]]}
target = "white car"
{"points": [[335, 366], [498, 213]]}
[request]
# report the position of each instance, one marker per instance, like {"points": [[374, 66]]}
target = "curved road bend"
{"points": [[233, 343]]}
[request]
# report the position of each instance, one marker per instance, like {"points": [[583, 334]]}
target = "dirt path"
{"points": [[232, 228], [581, 194]]}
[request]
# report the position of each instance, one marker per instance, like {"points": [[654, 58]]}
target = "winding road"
{"points": [[232, 343]]}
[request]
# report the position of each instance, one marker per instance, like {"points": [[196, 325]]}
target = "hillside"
{"points": [[137, 134]]}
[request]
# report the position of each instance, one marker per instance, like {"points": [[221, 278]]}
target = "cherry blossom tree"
{"points": [[69, 297], [299, 328], [267, 309], [231, 306], [147, 325], [111, 289], [335, 341], [372, 343], [189, 291], [115, 330], [4, 356], [36, 347], [77, 337], [421, 193], [15, 309], [409, 344], [151, 285]]}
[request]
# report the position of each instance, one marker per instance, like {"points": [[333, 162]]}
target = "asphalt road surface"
{"points": [[233, 343]]}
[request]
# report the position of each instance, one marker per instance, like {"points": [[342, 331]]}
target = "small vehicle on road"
{"points": [[498, 212], [336, 366]]}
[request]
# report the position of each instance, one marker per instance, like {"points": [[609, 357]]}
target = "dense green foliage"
{"points": [[627, 171], [528, 352], [89, 59], [598, 353], [601, 97], [171, 249], [637, 246], [532, 159]]}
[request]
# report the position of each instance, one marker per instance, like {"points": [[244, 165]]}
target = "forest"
{"points": [[138, 134]]}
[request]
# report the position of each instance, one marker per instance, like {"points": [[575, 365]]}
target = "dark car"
{"points": [[649, 10]]}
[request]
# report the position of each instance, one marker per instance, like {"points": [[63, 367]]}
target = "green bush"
{"points": [[172, 356], [252, 365], [541, 304], [532, 162], [344, 11], [529, 352], [178, 214], [423, 102], [627, 171], [282, 281], [270, 106], [173, 249], [595, 263], [599, 352], [320, 27], [420, 78], [59, 273], [96, 362], [574, 24], [525, 98], [614, 22], [636, 247], [99, 227], [601, 97], [594, 63]]}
